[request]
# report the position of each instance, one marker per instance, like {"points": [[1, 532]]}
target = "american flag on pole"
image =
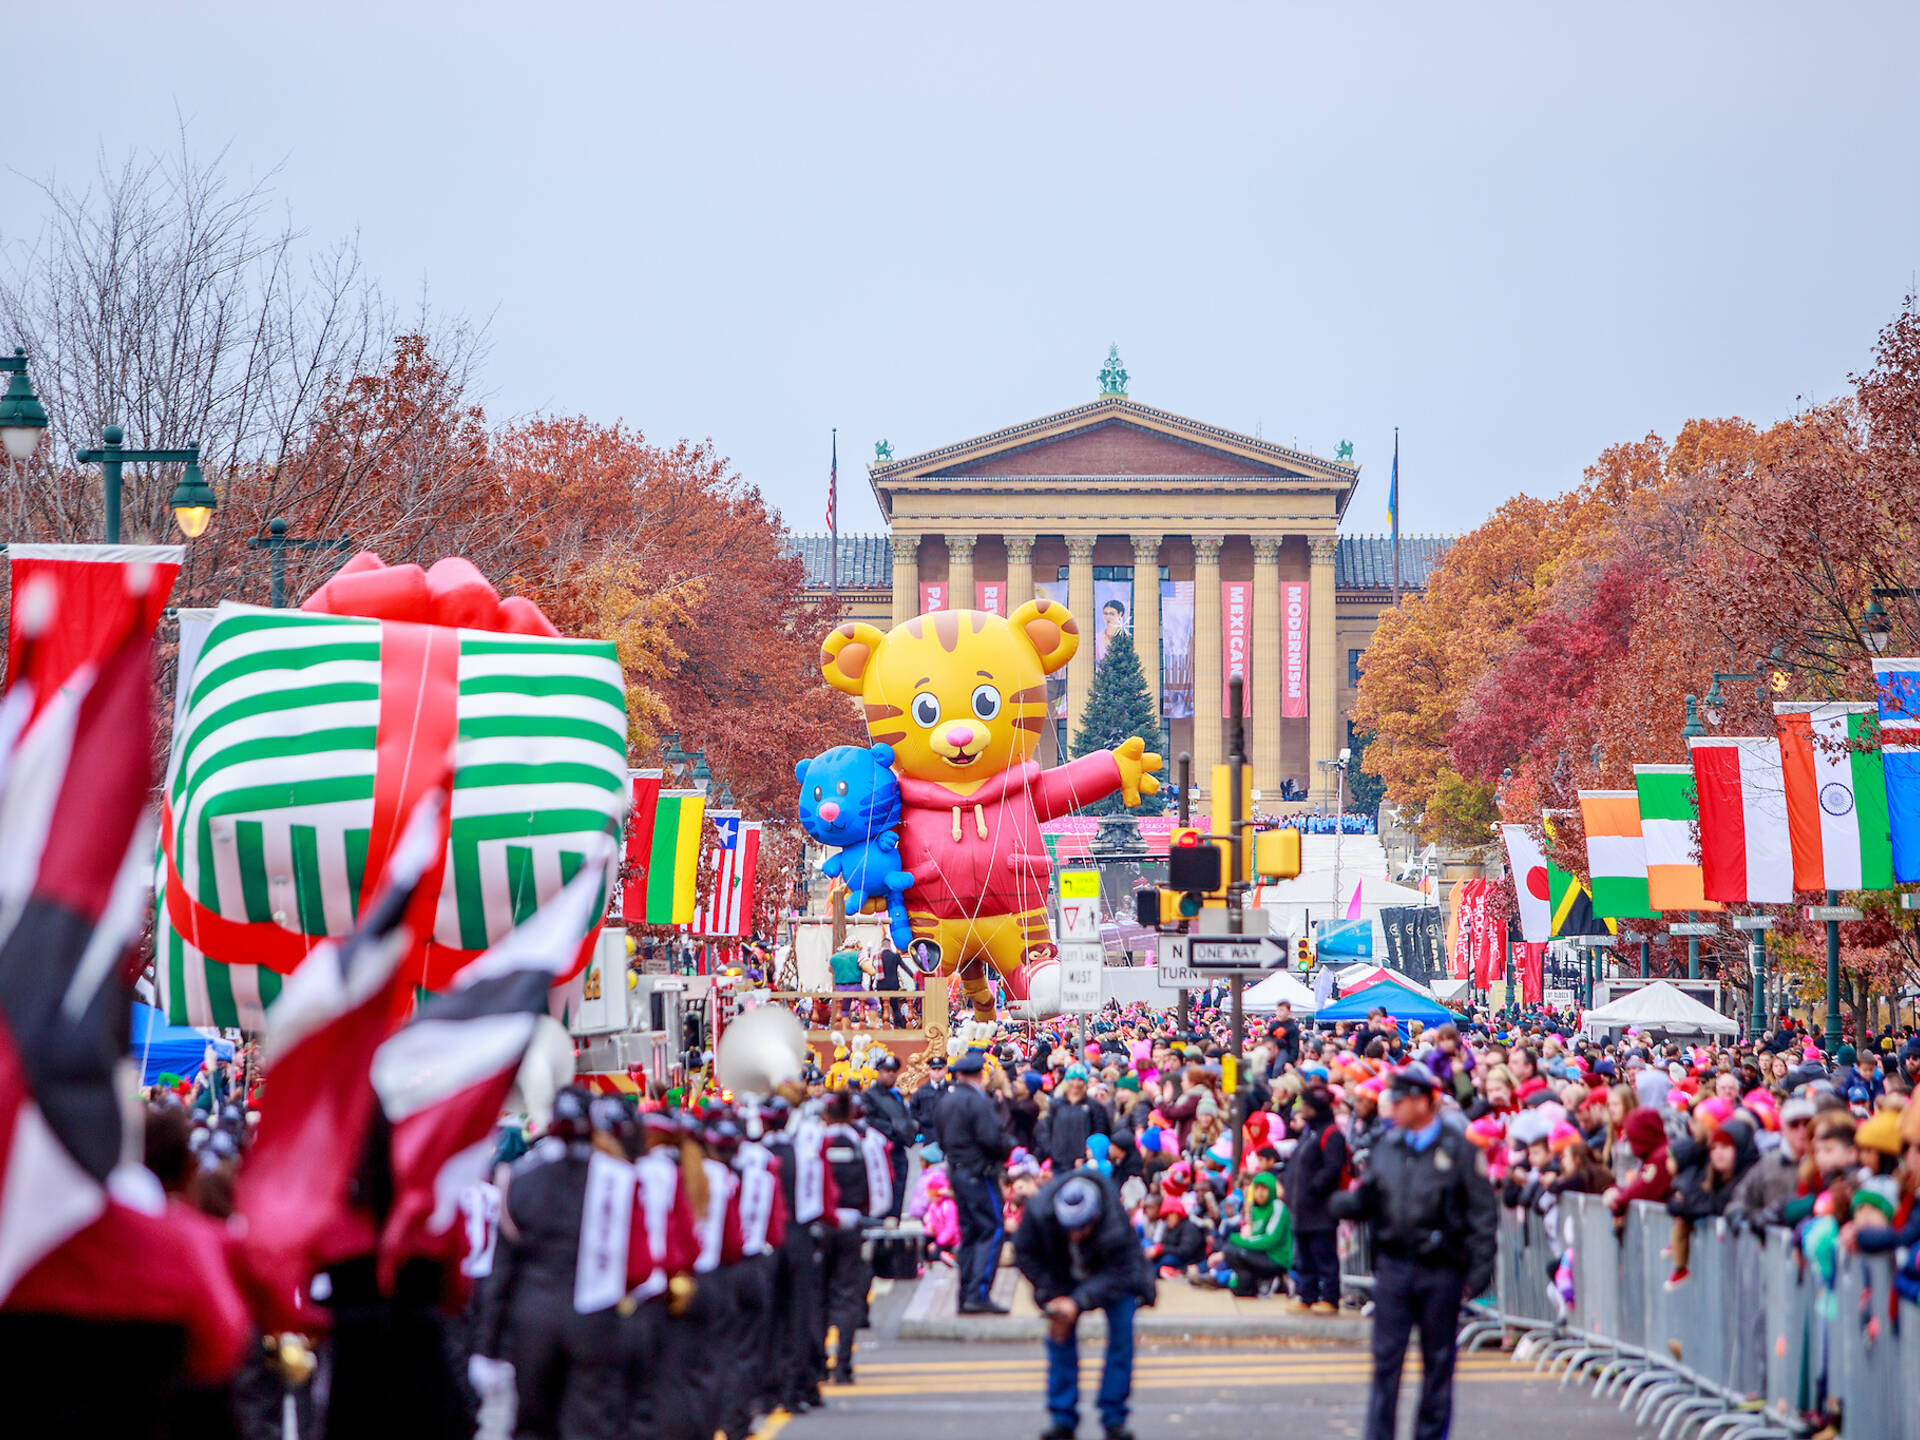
{"points": [[729, 909]]}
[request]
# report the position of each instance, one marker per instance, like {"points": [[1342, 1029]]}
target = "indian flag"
{"points": [[1616, 853], [675, 861], [1668, 815], [1836, 797]]}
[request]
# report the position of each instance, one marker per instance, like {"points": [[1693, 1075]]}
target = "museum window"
{"points": [[1353, 667]]}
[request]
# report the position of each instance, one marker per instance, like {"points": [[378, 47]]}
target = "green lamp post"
{"points": [[276, 543], [23, 419], [192, 501]]}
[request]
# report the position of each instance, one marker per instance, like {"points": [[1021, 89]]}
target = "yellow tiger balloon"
{"points": [[961, 696]]}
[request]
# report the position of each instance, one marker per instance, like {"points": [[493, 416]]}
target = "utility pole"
{"points": [[1237, 899], [1186, 812]]}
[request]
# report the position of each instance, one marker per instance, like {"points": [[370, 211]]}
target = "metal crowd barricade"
{"points": [[1745, 1347], [1356, 1259]]}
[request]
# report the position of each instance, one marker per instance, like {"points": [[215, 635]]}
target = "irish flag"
{"points": [[1836, 797], [1744, 850], [1616, 853], [1667, 817]]}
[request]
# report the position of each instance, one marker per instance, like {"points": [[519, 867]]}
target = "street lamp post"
{"points": [[192, 501], [1833, 977], [23, 419], [276, 544], [1690, 731]]}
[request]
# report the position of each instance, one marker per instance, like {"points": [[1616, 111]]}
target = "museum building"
{"points": [[1219, 552]]}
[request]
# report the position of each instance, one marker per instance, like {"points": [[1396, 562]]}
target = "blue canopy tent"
{"points": [[1400, 1003], [170, 1049]]}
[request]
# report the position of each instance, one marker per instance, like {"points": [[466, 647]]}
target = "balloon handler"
{"points": [[961, 697]]}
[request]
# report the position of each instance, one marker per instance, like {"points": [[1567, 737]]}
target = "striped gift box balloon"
{"points": [[295, 724]]}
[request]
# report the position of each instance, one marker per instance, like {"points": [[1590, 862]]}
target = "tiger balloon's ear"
{"points": [[1050, 629], [882, 753], [846, 653]]}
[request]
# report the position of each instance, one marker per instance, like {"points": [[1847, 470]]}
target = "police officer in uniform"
{"points": [[887, 1113], [976, 1146], [1432, 1211], [924, 1104]]}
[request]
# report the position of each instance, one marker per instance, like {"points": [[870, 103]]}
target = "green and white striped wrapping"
{"points": [[271, 786]]}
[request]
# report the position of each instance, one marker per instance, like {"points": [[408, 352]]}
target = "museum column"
{"points": [[1146, 614], [960, 594], [1264, 664], [1206, 659], [906, 578], [1321, 681], [1080, 602], [1019, 572]]}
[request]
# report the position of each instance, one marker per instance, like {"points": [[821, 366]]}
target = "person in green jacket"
{"points": [[1263, 1250]]}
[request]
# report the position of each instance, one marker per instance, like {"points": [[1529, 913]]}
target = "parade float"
{"points": [[956, 701]]}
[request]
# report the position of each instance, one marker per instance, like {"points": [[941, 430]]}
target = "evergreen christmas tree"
{"points": [[1119, 707]]}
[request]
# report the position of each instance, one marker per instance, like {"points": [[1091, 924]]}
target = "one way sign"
{"points": [[1249, 954]]}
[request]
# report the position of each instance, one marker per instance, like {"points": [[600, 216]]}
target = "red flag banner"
{"points": [[1293, 649], [633, 893], [990, 596], [1236, 636], [933, 596], [1530, 965]]}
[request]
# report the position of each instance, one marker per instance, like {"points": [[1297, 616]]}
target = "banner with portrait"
{"points": [[1113, 614], [1176, 649]]}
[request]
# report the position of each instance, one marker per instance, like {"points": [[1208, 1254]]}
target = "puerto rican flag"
{"points": [[1897, 683], [729, 909]]}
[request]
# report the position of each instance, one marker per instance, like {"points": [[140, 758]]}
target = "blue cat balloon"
{"points": [[850, 798]]}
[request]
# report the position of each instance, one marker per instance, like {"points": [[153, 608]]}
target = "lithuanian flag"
{"points": [[674, 862]]}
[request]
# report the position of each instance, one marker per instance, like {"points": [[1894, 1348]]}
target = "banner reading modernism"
{"points": [[1176, 649], [1293, 649]]}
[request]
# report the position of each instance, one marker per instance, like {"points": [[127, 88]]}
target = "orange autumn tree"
{"points": [[679, 561]]}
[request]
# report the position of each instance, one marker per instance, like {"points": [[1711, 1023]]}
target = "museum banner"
{"points": [[990, 596], [933, 596], [1176, 649], [1112, 602], [1236, 636], [1293, 649]]}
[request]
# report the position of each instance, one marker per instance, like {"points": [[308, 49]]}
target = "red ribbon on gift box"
{"points": [[420, 612]]}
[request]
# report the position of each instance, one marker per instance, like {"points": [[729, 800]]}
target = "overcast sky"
{"points": [[1517, 232]]}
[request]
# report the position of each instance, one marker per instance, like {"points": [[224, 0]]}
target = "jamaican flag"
{"points": [[1570, 903]]}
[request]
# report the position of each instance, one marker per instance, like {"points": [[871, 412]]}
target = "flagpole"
{"points": [[833, 518], [1394, 514]]}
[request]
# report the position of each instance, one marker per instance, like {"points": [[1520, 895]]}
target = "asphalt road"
{"points": [[930, 1390]]}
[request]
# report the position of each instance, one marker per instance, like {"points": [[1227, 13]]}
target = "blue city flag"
{"points": [[1897, 686], [1393, 487]]}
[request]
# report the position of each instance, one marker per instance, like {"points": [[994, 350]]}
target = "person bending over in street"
{"points": [[1078, 1251]]}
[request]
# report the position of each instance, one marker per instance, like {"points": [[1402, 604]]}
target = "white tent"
{"points": [[1448, 991], [1660, 1006], [1281, 985]]}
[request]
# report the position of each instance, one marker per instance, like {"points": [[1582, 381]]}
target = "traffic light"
{"points": [[1157, 907], [1220, 806], [1193, 870], [1276, 854], [1302, 954]]}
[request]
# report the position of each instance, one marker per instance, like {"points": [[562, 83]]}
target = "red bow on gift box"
{"points": [[453, 592], [419, 611]]}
